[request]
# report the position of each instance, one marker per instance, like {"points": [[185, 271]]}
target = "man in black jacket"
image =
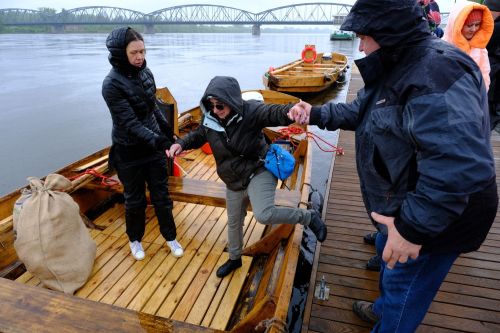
{"points": [[233, 128], [423, 155]]}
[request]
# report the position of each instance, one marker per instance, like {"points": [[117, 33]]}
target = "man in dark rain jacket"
{"points": [[233, 128], [423, 155]]}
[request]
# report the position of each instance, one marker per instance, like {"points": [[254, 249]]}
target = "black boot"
{"points": [[316, 201], [370, 238], [317, 226], [228, 267], [364, 310], [373, 264]]}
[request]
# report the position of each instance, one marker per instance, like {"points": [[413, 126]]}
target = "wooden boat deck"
{"points": [[469, 298], [184, 289], [162, 293]]}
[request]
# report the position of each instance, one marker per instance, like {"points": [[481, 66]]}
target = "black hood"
{"points": [[225, 89], [117, 51], [391, 23]]}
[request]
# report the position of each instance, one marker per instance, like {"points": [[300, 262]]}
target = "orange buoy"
{"points": [[206, 149], [309, 53]]}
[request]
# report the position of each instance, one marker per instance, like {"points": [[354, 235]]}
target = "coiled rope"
{"points": [[288, 132], [105, 180]]}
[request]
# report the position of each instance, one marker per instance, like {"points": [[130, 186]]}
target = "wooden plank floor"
{"points": [[468, 300], [185, 289]]}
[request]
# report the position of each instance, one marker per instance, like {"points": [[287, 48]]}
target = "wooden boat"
{"points": [[301, 76], [342, 35], [162, 293]]}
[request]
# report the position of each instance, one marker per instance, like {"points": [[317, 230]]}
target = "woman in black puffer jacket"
{"points": [[140, 137]]}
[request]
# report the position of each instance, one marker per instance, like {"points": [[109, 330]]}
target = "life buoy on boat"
{"points": [[309, 54]]}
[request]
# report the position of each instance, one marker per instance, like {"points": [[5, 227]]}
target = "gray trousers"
{"points": [[260, 193]]}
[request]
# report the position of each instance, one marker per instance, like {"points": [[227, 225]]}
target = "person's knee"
{"points": [[159, 195], [160, 203], [134, 206], [265, 216]]}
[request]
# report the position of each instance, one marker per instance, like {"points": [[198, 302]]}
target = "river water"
{"points": [[52, 112]]}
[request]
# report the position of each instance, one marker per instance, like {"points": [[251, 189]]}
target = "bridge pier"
{"points": [[149, 28], [256, 30], [57, 28]]}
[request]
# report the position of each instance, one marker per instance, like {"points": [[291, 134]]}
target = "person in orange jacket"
{"points": [[470, 26]]}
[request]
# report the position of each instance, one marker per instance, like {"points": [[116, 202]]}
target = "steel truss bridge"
{"points": [[319, 13]]}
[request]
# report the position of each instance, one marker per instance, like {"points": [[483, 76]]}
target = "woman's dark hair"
{"points": [[132, 35]]}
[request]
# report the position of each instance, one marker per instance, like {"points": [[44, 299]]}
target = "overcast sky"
{"points": [[148, 6]]}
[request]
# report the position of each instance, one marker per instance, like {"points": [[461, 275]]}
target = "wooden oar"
{"points": [[282, 69]]}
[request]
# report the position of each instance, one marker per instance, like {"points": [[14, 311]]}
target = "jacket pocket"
{"points": [[392, 151]]}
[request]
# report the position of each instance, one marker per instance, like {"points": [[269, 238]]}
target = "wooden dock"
{"points": [[469, 299]]}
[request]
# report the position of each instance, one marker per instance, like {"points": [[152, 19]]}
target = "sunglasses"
{"points": [[218, 106]]}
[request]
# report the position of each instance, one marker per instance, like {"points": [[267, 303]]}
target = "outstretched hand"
{"points": [[300, 112], [397, 249], [174, 150]]}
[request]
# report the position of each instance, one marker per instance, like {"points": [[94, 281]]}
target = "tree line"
{"points": [[171, 28]]}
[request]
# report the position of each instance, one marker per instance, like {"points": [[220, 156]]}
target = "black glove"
{"points": [[162, 143]]}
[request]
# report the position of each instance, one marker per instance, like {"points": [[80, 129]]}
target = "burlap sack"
{"points": [[52, 240]]}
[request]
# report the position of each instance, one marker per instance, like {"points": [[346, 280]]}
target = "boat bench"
{"points": [[203, 192], [45, 310]]}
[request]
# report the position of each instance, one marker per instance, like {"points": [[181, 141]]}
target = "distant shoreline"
{"points": [[160, 29]]}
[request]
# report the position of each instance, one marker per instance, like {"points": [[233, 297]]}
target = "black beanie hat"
{"points": [[493, 5]]}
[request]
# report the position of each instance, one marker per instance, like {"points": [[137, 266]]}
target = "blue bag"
{"points": [[279, 162]]}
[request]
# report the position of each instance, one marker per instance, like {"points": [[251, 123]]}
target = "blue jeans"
{"points": [[407, 290]]}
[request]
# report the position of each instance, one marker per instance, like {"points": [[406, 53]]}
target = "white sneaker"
{"points": [[175, 248], [137, 250]]}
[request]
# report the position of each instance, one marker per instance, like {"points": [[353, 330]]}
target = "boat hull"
{"points": [[182, 293], [302, 77]]}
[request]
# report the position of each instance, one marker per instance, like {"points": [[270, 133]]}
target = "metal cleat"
{"points": [[322, 290]]}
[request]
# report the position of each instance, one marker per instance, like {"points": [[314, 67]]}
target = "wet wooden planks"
{"points": [[161, 284], [468, 300], [70, 314], [184, 289]]}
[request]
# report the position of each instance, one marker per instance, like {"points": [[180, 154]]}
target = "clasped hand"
{"points": [[174, 150], [397, 249], [300, 112]]}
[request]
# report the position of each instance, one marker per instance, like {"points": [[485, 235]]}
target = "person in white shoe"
{"points": [[140, 137]]}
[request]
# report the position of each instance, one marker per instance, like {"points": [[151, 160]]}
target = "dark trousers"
{"points": [[494, 114], [134, 179]]}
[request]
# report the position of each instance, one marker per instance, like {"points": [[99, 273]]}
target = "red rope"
{"points": [[289, 131], [105, 180]]}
